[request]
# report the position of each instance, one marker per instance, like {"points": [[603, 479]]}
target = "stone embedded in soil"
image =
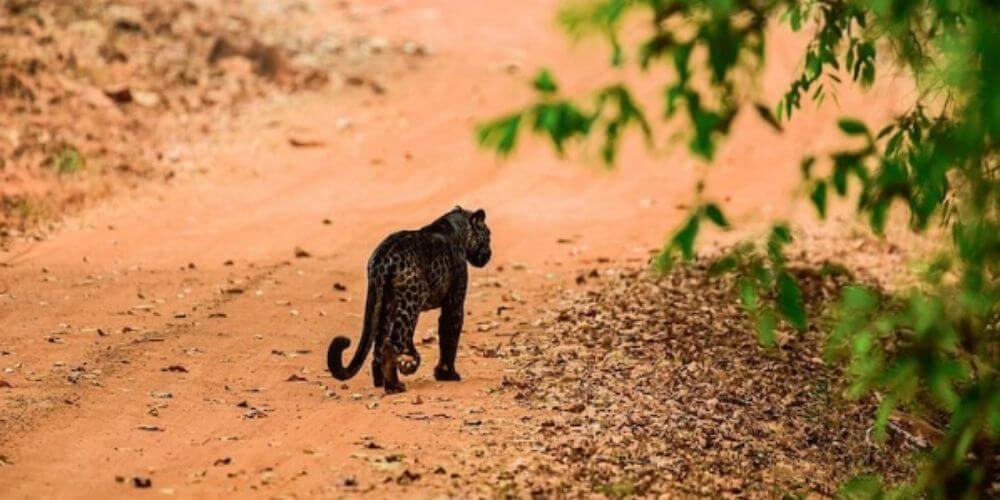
{"points": [[142, 482]]}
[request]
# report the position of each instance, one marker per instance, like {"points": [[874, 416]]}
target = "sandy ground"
{"points": [[203, 275]]}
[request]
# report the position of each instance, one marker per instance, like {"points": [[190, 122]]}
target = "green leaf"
{"points": [[843, 164], [714, 214], [561, 121], [723, 265], [664, 260], [807, 165], [851, 126], [766, 323], [863, 488], [617, 54], [684, 239], [628, 112], [768, 117], [722, 44], [818, 197], [885, 131], [748, 294], [706, 124], [859, 300], [894, 143], [813, 66], [790, 303], [762, 275], [682, 57], [500, 134], [882, 416], [879, 213], [795, 17], [781, 233], [868, 74], [544, 82], [658, 46]]}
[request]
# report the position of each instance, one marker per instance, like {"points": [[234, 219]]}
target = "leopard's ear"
{"points": [[479, 215]]}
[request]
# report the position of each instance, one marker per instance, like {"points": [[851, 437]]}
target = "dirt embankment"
{"points": [[100, 95]]}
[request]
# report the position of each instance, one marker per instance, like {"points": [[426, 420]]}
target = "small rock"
{"points": [[146, 99], [300, 142]]}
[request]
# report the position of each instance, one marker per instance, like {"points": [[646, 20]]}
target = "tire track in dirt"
{"points": [[108, 362]]}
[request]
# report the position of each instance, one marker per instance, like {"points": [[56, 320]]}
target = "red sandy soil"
{"points": [[139, 284]]}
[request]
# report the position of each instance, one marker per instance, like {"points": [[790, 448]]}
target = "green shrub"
{"points": [[935, 346]]}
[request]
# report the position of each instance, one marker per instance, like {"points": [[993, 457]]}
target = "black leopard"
{"points": [[410, 272]]}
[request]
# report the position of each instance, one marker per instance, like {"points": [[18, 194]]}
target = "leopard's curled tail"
{"points": [[373, 311]]}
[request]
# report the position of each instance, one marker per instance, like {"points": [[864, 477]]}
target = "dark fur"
{"points": [[411, 272]]}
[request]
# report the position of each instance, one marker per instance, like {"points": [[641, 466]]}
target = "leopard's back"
{"points": [[420, 265]]}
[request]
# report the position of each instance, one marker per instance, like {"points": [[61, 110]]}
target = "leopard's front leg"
{"points": [[449, 331]]}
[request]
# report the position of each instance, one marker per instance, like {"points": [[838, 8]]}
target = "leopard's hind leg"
{"points": [[402, 328], [390, 377], [398, 354]]}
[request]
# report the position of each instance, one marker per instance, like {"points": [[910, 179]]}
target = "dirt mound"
{"points": [[658, 386], [89, 88]]}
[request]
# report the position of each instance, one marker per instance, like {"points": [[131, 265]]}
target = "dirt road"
{"points": [[163, 335]]}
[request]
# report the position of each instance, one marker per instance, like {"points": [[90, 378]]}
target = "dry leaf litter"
{"points": [[655, 386]]}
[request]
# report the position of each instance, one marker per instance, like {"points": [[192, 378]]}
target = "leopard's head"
{"points": [[477, 246]]}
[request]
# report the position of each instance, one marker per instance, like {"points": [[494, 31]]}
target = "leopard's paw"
{"points": [[396, 388], [407, 364], [446, 375]]}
